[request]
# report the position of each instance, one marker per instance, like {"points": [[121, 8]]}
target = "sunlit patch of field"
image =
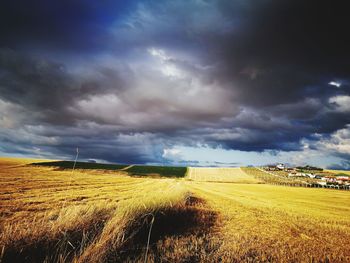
{"points": [[233, 175], [339, 171], [266, 223], [6, 162]]}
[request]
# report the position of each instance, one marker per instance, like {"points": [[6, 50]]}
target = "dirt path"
{"points": [[126, 168]]}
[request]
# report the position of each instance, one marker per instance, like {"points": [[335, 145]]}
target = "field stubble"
{"points": [[220, 215], [50, 215]]}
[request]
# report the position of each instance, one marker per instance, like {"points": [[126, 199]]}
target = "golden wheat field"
{"points": [[211, 215], [232, 175], [339, 171]]}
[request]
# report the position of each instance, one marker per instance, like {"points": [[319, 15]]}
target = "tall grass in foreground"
{"points": [[128, 219], [54, 216], [90, 233]]}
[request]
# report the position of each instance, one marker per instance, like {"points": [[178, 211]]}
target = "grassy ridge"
{"points": [[82, 165], [165, 171]]}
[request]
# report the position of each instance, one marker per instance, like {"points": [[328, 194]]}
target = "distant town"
{"points": [[310, 175]]}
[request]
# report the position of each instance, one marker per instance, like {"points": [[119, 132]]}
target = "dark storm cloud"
{"points": [[47, 89], [280, 62], [345, 165], [126, 148], [75, 25], [284, 47], [269, 53], [135, 78]]}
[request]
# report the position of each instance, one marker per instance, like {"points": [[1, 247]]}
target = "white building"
{"points": [[281, 166]]}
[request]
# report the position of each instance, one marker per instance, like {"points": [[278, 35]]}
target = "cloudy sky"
{"points": [[195, 82]]}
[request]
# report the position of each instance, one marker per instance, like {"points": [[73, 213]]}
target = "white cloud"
{"points": [[160, 53], [342, 103], [166, 65], [338, 142], [335, 83], [172, 154]]}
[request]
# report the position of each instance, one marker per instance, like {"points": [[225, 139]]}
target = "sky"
{"points": [[181, 82]]}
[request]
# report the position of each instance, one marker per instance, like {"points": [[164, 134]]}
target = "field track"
{"points": [[126, 168]]}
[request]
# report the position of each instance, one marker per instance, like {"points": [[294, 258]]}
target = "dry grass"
{"points": [[339, 171], [56, 215], [230, 175], [49, 215], [265, 223], [8, 162]]}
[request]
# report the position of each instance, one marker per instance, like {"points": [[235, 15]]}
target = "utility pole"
{"points": [[76, 158]]}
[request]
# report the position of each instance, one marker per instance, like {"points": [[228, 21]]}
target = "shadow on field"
{"points": [[171, 234], [179, 233]]}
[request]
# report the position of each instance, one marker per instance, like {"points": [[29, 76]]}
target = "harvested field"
{"points": [[266, 223], [232, 175], [339, 172], [219, 215]]}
